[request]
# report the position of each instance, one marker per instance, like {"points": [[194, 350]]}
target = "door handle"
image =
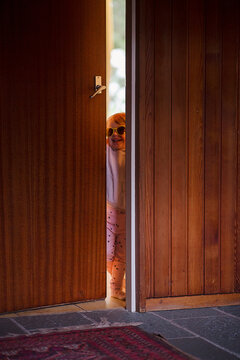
{"points": [[98, 87]]}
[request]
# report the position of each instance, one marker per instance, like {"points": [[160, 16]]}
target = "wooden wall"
{"points": [[189, 208]]}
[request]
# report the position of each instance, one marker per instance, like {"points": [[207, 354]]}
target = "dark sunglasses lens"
{"points": [[109, 132], [121, 130]]}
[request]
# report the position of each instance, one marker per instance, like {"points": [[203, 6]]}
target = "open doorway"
{"points": [[115, 149]]}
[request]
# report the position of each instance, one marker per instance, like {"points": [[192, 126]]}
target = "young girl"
{"points": [[116, 215]]}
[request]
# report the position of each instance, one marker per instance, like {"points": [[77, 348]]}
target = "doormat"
{"points": [[127, 342]]}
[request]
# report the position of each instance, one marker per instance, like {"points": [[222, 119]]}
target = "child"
{"points": [[116, 215]]}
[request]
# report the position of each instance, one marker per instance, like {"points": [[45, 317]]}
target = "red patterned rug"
{"points": [[128, 342]]}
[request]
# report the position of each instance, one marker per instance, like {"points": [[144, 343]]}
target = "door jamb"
{"points": [[131, 196]]}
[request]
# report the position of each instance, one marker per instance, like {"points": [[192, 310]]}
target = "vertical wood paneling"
{"points": [[179, 147], [146, 138], [149, 129], [193, 236], [229, 144], [52, 153], [213, 147], [162, 180], [196, 148]]}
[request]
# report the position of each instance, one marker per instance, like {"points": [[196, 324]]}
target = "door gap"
{"points": [[116, 84]]}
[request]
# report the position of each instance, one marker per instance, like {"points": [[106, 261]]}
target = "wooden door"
{"points": [[189, 151], [52, 173]]}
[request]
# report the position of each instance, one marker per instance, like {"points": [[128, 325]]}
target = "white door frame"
{"points": [[131, 285]]}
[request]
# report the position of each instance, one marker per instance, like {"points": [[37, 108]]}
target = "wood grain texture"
{"points": [[229, 144], [213, 123], [17, 283], [163, 149], [147, 157], [196, 54], [190, 302], [179, 147], [52, 153], [146, 148], [194, 233]]}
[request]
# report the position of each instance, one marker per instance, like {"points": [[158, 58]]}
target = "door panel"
{"points": [[52, 153]]}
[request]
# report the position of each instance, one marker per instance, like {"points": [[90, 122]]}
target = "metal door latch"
{"points": [[98, 87]]}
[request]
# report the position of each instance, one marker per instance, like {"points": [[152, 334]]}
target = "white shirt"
{"points": [[116, 178]]}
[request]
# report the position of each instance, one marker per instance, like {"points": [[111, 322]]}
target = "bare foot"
{"points": [[118, 294]]}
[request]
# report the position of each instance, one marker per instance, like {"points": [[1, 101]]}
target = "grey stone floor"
{"points": [[206, 333]]}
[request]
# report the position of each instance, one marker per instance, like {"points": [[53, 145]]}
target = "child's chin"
{"points": [[116, 146]]}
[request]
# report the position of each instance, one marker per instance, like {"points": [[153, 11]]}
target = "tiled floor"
{"points": [[206, 333]]}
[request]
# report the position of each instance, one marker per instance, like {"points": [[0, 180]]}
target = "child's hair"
{"points": [[119, 118]]}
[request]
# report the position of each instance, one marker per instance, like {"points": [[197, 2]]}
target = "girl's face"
{"points": [[116, 141]]}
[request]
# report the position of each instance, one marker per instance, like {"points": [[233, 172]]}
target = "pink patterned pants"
{"points": [[116, 245]]}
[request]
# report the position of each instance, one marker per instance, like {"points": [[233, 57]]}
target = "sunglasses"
{"points": [[120, 131]]}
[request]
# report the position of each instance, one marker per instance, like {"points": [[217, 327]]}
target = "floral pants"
{"points": [[116, 245]]}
